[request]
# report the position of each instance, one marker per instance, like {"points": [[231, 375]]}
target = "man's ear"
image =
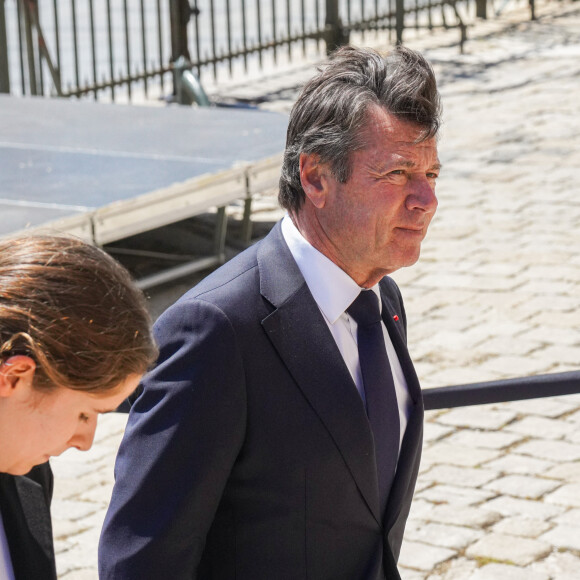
{"points": [[314, 178], [14, 371]]}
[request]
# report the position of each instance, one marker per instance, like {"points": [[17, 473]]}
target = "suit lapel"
{"points": [[412, 440], [301, 337]]}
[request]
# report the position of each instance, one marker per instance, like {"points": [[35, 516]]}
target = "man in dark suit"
{"points": [[269, 442]]}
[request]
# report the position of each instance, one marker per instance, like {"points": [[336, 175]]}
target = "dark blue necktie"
{"points": [[381, 399]]}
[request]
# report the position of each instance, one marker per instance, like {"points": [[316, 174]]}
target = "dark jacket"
{"points": [[25, 506], [249, 454]]}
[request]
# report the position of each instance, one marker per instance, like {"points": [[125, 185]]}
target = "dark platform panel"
{"points": [[62, 158]]}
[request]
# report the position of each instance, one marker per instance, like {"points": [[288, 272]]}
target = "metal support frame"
{"points": [[400, 20], [179, 15], [32, 21], [170, 274], [30, 52], [481, 9], [336, 34], [4, 70], [177, 272], [188, 88], [246, 234], [221, 229]]}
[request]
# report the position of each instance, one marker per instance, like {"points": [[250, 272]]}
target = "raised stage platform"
{"points": [[109, 172]]}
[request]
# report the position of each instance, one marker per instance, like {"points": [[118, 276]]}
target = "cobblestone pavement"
{"points": [[494, 295]]}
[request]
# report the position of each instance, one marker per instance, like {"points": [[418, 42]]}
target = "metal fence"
{"points": [[109, 48]]}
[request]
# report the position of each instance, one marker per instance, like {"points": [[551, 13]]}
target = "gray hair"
{"points": [[330, 112]]}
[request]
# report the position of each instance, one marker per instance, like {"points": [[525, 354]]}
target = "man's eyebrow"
{"points": [[411, 164]]}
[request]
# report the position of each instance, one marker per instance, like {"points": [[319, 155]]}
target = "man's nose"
{"points": [[422, 196], [83, 437]]}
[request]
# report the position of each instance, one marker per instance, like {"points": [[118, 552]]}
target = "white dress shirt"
{"points": [[6, 571], [334, 291]]}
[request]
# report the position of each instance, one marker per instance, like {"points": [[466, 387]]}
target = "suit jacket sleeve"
{"points": [[183, 435]]}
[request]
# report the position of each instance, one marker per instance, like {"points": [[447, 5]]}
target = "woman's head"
{"points": [[74, 332]]}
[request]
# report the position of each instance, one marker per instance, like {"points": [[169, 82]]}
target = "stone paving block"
{"points": [[447, 536], [484, 439], [99, 495], [463, 476], [511, 366], [563, 536], [455, 569], [80, 574], [553, 450], [502, 344], [420, 556], [567, 495], [446, 376], [575, 416], [61, 545], [521, 526], [407, 574], [560, 353], [573, 437], [512, 549], [454, 495], [571, 517], [70, 563], [558, 336], [67, 488], [420, 510], [522, 486], [519, 464], [473, 517], [70, 465], [478, 418], [559, 566], [63, 528], [506, 572], [434, 431], [454, 339], [112, 425], [442, 452], [73, 510], [511, 506], [541, 427]]}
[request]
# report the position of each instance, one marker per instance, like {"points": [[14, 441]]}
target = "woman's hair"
{"points": [[75, 311]]}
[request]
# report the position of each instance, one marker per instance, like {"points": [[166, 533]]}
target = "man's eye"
{"points": [[83, 418], [432, 175], [397, 172]]}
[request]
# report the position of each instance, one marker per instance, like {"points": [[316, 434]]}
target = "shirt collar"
{"points": [[331, 287]]}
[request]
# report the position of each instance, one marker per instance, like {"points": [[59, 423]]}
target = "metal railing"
{"points": [[118, 48], [533, 387], [503, 391]]}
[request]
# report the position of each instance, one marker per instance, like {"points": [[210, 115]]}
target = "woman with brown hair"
{"points": [[74, 342]]}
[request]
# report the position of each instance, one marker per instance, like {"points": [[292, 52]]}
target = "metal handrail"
{"points": [[501, 391]]}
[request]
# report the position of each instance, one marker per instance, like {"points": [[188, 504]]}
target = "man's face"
{"points": [[375, 222]]}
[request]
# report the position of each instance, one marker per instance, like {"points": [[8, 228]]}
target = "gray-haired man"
{"points": [[280, 435]]}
